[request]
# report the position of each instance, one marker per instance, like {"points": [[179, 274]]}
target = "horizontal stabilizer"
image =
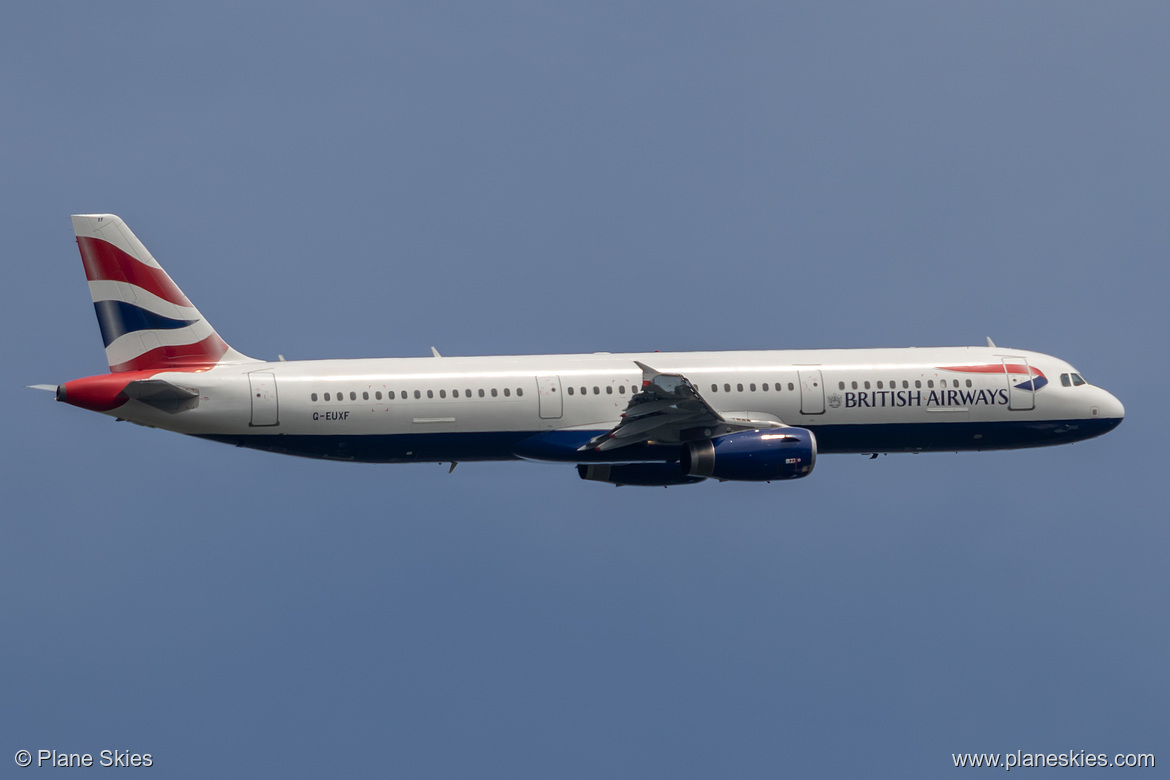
{"points": [[162, 395]]}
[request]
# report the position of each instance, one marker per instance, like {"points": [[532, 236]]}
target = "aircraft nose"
{"points": [[1109, 408]]}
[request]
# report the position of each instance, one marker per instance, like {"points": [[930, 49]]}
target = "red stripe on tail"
{"points": [[104, 261], [201, 354]]}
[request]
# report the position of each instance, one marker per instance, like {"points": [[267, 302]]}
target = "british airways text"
{"points": [[899, 398]]}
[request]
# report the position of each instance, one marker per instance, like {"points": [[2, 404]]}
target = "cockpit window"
{"points": [[1077, 381], [1065, 380]]}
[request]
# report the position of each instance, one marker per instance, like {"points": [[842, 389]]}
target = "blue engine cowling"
{"points": [[646, 474], [760, 455]]}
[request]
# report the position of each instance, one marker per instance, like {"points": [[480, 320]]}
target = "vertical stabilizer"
{"points": [[146, 321]]}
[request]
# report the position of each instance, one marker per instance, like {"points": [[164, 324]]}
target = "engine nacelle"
{"points": [[646, 474], [767, 454]]}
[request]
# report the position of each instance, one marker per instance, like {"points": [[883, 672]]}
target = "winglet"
{"points": [[991, 343], [648, 374]]}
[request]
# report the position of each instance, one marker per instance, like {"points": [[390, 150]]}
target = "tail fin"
{"points": [[146, 321]]}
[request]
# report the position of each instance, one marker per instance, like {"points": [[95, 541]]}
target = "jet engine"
{"points": [[647, 474], [760, 455]]}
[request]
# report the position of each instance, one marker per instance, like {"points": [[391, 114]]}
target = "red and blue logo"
{"points": [[145, 320], [1033, 378]]}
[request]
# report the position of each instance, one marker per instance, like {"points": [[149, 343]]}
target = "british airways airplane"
{"points": [[628, 419]]}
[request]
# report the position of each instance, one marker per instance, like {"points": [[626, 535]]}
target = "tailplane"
{"points": [[146, 321]]}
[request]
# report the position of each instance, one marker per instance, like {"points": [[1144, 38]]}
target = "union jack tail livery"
{"points": [[146, 321]]}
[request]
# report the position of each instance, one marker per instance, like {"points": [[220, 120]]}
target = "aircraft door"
{"points": [[1020, 379], [264, 401], [812, 391], [548, 389]]}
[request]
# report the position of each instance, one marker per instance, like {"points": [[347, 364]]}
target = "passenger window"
{"points": [[905, 384], [519, 391], [930, 383], [726, 387], [442, 393], [507, 392], [867, 384], [365, 395], [314, 397], [853, 385], [840, 385], [481, 392], [609, 389], [714, 388], [968, 383], [791, 386], [495, 393], [918, 383], [352, 395], [596, 390], [390, 394], [454, 393], [752, 387], [417, 394], [879, 384], [739, 387], [764, 386], [622, 389], [570, 389]]}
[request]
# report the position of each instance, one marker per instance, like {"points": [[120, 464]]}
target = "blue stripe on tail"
{"points": [[117, 318]]}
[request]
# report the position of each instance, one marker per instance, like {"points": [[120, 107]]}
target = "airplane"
{"points": [[652, 418]]}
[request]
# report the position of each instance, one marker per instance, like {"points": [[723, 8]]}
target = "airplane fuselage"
{"points": [[546, 406], [628, 419]]}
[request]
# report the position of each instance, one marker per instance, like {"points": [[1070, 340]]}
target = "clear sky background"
{"points": [[353, 180]]}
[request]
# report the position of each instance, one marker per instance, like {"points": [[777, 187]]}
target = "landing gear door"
{"points": [[1021, 384], [812, 391], [549, 390], [264, 401]]}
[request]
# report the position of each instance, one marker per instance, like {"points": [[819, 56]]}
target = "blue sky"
{"points": [[362, 180]]}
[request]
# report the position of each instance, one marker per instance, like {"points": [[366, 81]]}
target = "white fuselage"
{"points": [[484, 408]]}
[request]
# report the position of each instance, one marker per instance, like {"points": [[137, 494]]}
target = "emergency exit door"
{"points": [[548, 388], [265, 406], [812, 391]]}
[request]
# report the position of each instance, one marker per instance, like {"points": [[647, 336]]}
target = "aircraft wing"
{"points": [[668, 410]]}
